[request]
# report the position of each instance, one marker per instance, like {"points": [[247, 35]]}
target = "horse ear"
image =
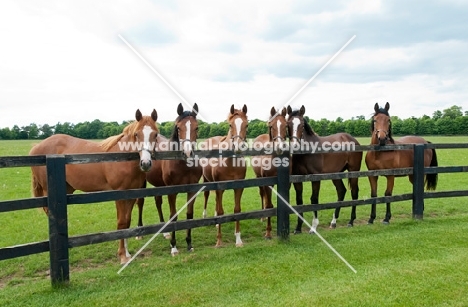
{"points": [[195, 109], [232, 109], [376, 107], [302, 110], [387, 106], [289, 110], [272, 111], [283, 112], [154, 115], [180, 109], [244, 109], [138, 115]]}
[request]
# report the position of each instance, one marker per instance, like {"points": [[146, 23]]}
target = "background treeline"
{"points": [[451, 121]]}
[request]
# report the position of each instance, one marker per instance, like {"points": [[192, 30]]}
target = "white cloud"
{"points": [[63, 60]]}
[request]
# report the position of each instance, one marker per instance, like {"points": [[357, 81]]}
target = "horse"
{"points": [[301, 134], [264, 166], [178, 172], [139, 135], [381, 128], [233, 168]]}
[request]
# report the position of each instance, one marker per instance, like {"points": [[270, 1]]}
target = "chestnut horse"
{"points": [[263, 166], [301, 134], [138, 136], [177, 172], [233, 168], [381, 127]]}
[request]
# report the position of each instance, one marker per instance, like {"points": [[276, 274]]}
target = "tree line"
{"points": [[451, 121]]}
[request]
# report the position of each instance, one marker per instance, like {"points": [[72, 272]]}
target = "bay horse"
{"points": [[177, 172], [233, 168], [301, 134], [263, 166], [139, 135], [381, 127]]}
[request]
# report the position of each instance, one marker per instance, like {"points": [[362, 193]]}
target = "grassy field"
{"points": [[407, 263]]}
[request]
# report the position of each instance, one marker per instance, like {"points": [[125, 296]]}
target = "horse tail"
{"points": [[37, 189], [431, 179]]}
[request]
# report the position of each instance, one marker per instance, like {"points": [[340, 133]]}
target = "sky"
{"points": [[67, 61]]}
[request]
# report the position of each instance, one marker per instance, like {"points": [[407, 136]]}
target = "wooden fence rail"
{"points": [[57, 201]]}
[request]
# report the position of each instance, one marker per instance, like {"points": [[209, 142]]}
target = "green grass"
{"points": [[408, 263]]}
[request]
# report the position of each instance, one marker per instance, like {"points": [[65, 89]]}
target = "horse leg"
{"points": [[188, 238], [373, 185], [269, 204], [140, 202], [219, 212], [353, 183], [261, 191], [388, 192], [237, 209], [124, 214], [172, 206], [314, 201], [158, 200], [298, 189], [206, 194], [341, 192]]}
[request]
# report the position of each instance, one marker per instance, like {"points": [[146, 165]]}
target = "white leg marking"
{"points": [[174, 251], [238, 239], [127, 254], [315, 223]]}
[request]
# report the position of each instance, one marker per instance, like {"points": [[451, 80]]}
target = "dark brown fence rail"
{"points": [[59, 242]]}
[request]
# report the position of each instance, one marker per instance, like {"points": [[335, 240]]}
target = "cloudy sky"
{"points": [[63, 61]]}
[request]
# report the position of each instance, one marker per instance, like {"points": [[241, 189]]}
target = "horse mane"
{"points": [[384, 112], [308, 129], [129, 131]]}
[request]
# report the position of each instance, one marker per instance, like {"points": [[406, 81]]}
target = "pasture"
{"points": [[407, 263]]}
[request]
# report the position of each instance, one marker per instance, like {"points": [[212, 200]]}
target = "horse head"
{"points": [[186, 130], [145, 132], [381, 125], [277, 129], [238, 124], [296, 126]]}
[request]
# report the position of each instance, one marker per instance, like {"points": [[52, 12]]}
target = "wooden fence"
{"points": [[57, 200]]}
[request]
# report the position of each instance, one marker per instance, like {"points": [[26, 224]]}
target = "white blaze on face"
{"points": [[187, 144], [296, 122], [279, 140], [238, 124], [145, 154]]}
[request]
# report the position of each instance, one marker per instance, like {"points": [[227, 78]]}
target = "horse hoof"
{"points": [[174, 254], [190, 249], [124, 260], [332, 226], [370, 223], [385, 222], [167, 235], [239, 244], [311, 232], [350, 225], [268, 237], [139, 238], [297, 232]]}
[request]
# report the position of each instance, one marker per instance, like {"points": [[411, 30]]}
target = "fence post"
{"points": [[418, 181], [58, 224], [283, 211]]}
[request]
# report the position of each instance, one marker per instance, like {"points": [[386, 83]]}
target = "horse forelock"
{"points": [[236, 113]]}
